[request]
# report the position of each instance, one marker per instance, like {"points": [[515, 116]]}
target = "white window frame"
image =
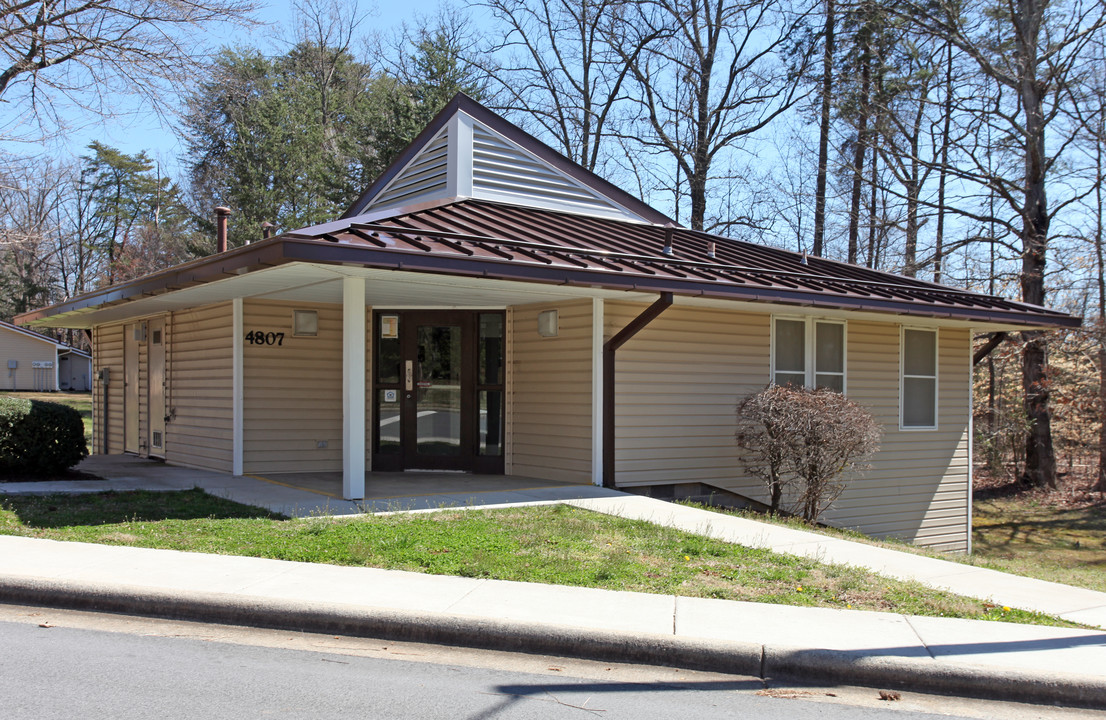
{"points": [[810, 326], [936, 377]]}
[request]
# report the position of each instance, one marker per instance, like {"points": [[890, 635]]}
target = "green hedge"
{"points": [[39, 438]]}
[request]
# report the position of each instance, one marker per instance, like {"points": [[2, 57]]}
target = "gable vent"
{"points": [[425, 176], [503, 171]]}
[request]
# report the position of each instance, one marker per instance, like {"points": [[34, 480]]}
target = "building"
{"points": [[487, 306], [35, 362]]}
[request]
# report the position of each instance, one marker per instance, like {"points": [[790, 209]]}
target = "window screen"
{"points": [[809, 353], [919, 378]]}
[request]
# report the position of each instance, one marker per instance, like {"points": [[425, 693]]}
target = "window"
{"points": [[919, 379], [305, 323], [808, 352]]}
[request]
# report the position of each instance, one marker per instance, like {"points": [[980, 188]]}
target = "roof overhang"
{"points": [[310, 270]]}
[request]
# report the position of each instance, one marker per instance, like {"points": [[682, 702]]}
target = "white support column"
{"points": [[971, 437], [597, 391], [353, 388], [237, 379]]}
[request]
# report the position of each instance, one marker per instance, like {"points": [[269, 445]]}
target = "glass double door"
{"points": [[438, 387]]}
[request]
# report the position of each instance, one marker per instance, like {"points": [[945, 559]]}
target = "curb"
{"points": [[761, 661]]}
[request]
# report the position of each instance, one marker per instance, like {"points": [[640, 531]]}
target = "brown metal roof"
{"points": [[482, 239], [508, 241]]}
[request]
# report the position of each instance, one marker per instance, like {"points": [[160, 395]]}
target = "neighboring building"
{"points": [[488, 306], [34, 362]]}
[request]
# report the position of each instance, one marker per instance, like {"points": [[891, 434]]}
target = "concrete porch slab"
{"points": [[306, 494]]}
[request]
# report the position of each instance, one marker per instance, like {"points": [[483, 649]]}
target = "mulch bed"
{"points": [[1074, 491]]}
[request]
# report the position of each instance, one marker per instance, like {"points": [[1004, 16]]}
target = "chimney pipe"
{"points": [[668, 240], [221, 215], [267, 230]]}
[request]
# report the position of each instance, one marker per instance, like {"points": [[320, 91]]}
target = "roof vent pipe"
{"points": [[221, 215], [267, 230], [710, 250], [668, 240]]}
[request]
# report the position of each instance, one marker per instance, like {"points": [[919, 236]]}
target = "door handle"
{"points": [[409, 376]]}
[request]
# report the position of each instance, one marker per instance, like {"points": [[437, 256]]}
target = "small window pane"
{"points": [[790, 348], [919, 349], [918, 406], [387, 414], [491, 349], [833, 382], [830, 348], [387, 362], [491, 422], [796, 379]]}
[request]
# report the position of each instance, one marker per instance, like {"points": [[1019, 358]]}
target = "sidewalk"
{"points": [[987, 659], [1078, 605]]}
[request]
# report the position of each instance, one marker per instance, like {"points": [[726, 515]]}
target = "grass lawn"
{"points": [[1033, 534], [1030, 536], [549, 544], [82, 401]]}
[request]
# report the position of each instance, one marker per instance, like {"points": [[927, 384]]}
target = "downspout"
{"points": [[609, 348], [987, 348]]}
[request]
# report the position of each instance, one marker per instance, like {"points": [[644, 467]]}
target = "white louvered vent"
{"points": [[425, 176], [503, 171]]}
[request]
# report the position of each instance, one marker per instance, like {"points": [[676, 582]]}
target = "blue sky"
{"points": [[138, 128]]}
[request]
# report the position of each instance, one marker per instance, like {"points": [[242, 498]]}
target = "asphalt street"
{"points": [[64, 664]]}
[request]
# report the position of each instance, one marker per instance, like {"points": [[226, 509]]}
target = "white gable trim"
{"points": [[459, 154], [424, 178], [468, 159]]}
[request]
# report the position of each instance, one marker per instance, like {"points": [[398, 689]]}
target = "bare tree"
{"points": [[560, 69], [714, 73], [83, 52], [1031, 50], [824, 126], [31, 195]]}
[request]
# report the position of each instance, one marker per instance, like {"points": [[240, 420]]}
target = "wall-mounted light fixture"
{"points": [[305, 323], [547, 323]]}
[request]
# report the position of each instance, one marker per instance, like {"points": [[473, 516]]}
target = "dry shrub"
{"points": [[804, 444]]}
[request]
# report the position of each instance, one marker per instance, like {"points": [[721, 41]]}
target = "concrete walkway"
{"points": [[302, 496], [990, 659], [1086, 607], [987, 659], [306, 494]]}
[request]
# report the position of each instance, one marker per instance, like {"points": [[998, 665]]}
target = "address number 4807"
{"points": [[259, 337]]}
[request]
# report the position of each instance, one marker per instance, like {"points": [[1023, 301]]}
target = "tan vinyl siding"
{"points": [[551, 394], [199, 394], [293, 392], [680, 379], [918, 486], [107, 343], [18, 346], [677, 384]]}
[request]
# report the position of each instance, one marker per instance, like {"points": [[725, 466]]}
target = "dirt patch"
{"points": [[1074, 491]]}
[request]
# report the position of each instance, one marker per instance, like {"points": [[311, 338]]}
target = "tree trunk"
{"points": [[873, 212], [946, 131], [1040, 458], [861, 145], [823, 132], [1100, 264]]}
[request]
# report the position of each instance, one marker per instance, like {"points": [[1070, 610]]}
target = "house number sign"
{"points": [[260, 337]]}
